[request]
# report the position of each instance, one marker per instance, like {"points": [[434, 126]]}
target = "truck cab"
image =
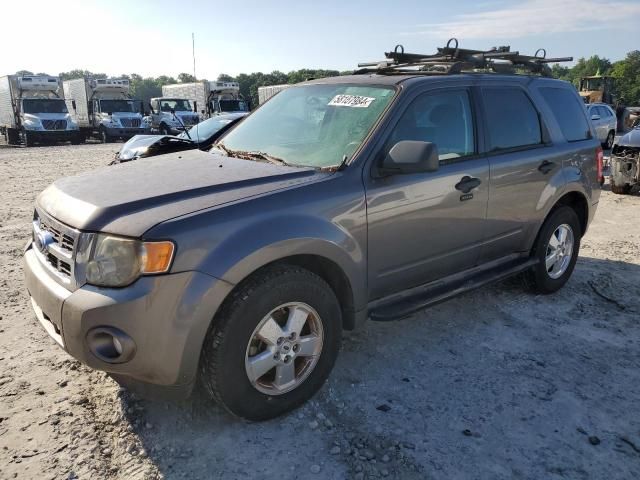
{"points": [[171, 116], [104, 108], [35, 112], [226, 98]]}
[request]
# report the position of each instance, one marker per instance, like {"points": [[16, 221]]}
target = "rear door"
{"points": [[422, 227], [522, 166]]}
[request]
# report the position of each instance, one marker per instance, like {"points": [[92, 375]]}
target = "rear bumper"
{"points": [[165, 318]]}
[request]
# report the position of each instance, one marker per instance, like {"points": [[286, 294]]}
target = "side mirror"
{"points": [[595, 117], [195, 107], [410, 156], [73, 104], [172, 112], [151, 108]]}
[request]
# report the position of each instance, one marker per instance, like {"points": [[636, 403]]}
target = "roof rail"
{"points": [[453, 60]]}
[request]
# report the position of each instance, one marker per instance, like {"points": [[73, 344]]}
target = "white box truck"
{"points": [[213, 98], [268, 91], [32, 111], [103, 108], [172, 115]]}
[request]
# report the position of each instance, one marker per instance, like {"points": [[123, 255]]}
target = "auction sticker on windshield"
{"points": [[356, 101]]}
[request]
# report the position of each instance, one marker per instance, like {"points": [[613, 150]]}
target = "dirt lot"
{"points": [[496, 384]]}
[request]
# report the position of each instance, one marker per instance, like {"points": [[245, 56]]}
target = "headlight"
{"points": [[118, 262]]}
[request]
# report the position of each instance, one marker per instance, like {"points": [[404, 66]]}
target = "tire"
{"points": [[541, 278], [104, 136], [620, 189], [608, 143], [164, 130], [232, 341], [28, 139]]}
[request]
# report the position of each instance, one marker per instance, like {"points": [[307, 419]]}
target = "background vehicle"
{"points": [[268, 91], [199, 136], [103, 108], [243, 265], [604, 121], [625, 163], [213, 98], [171, 115], [31, 110], [597, 89]]}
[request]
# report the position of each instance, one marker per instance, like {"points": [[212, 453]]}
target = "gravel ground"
{"points": [[497, 384]]}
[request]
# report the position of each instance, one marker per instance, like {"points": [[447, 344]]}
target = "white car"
{"points": [[604, 120]]}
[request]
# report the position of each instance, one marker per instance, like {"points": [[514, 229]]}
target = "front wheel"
{"points": [[164, 130], [273, 344], [608, 143], [556, 250]]}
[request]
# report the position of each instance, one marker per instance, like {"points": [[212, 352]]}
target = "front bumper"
{"points": [[122, 132], [165, 316], [54, 135]]}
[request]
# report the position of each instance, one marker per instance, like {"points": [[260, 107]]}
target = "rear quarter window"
{"points": [[568, 112], [512, 120]]}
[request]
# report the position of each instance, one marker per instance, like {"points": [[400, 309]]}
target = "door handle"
{"points": [[467, 183], [546, 166]]}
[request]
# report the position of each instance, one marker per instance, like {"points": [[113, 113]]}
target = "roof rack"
{"points": [[453, 60]]}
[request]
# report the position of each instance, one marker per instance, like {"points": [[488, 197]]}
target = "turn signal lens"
{"points": [[156, 256]]}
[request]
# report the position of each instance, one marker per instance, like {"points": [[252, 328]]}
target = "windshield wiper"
{"points": [[250, 155]]}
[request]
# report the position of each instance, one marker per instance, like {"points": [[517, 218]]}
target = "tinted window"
{"points": [[568, 112], [511, 119], [444, 119]]}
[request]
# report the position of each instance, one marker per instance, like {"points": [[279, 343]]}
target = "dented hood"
{"points": [[630, 139], [130, 198]]}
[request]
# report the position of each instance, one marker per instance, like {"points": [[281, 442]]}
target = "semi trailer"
{"points": [[32, 111], [213, 97], [103, 108], [268, 91]]}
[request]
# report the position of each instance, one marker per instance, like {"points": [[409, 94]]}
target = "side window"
{"points": [[512, 120], [568, 112], [444, 119]]}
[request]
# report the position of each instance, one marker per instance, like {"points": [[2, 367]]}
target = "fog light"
{"points": [[111, 345]]}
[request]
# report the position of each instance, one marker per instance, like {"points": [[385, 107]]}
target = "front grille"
{"points": [[54, 124], [130, 122], [57, 244], [189, 120], [64, 240]]}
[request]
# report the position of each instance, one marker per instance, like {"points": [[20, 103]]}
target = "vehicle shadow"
{"points": [[480, 363]]}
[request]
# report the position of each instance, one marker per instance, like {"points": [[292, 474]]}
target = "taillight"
{"points": [[599, 161]]}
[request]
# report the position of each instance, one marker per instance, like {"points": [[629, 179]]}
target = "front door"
{"points": [[423, 226]]}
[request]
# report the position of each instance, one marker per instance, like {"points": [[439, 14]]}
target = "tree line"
{"points": [[626, 73]]}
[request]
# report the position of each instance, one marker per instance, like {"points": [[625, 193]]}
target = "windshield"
{"points": [[109, 106], [233, 106], [44, 105], [311, 125], [178, 105], [205, 130], [592, 84]]}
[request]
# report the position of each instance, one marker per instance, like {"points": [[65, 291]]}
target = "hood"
{"points": [[147, 145], [630, 139], [130, 198]]}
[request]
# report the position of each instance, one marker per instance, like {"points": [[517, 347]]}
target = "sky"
{"points": [[152, 38]]}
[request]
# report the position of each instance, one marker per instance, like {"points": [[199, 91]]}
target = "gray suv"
{"points": [[366, 196]]}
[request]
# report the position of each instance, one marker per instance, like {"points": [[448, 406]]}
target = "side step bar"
{"points": [[403, 305]]}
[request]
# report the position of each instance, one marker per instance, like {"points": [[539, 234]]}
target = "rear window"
{"points": [[568, 112], [511, 118]]}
